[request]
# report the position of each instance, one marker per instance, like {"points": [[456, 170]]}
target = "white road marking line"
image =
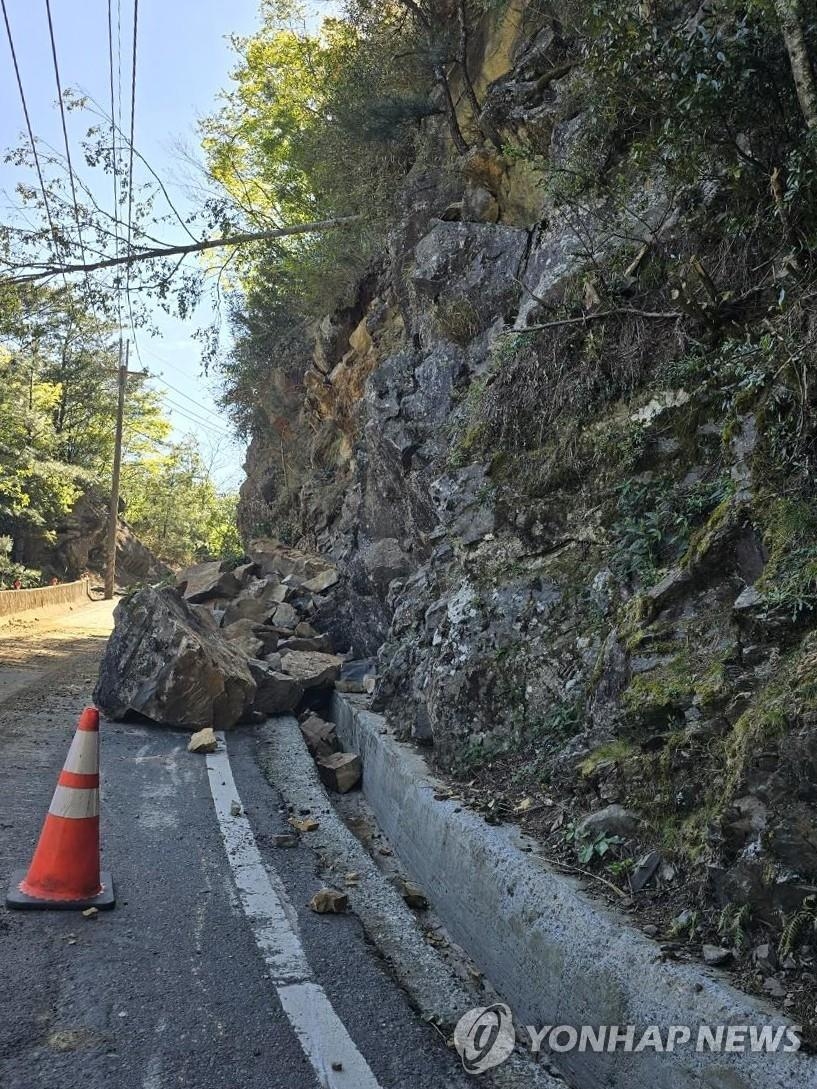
{"points": [[320, 1031]]}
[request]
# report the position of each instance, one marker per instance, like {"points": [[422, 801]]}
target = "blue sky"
{"points": [[184, 60]]}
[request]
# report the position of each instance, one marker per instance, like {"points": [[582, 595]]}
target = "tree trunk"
{"points": [[790, 14], [462, 60], [450, 110]]}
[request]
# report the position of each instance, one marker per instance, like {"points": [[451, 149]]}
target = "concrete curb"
{"points": [[557, 957], [13, 602], [429, 981]]}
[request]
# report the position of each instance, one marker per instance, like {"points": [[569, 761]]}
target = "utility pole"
{"points": [[113, 510]]}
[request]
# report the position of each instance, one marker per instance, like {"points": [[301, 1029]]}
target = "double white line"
{"points": [[322, 1035]]}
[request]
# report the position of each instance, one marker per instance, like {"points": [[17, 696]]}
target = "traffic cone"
{"points": [[64, 872]]}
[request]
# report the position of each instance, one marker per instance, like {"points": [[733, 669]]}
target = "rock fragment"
{"points": [[341, 771], [203, 741], [329, 902], [312, 669]]}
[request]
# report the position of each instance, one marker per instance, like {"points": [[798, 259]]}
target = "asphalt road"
{"points": [[171, 988]]}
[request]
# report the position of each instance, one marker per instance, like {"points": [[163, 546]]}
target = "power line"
{"points": [[204, 424], [130, 172], [65, 132], [132, 122], [181, 393], [114, 159], [31, 139]]}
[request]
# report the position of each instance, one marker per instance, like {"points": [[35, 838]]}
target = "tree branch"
{"points": [[50, 269], [656, 315]]}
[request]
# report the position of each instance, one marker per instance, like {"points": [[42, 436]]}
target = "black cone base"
{"points": [[19, 901]]}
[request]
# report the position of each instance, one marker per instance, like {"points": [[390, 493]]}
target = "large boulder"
{"points": [[272, 557], [277, 693], [312, 669], [205, 581], [166, 663]]}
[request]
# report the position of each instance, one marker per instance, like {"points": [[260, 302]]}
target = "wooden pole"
{"points": [[113, 510]]}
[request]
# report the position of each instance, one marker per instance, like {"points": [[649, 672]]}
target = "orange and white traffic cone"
{"points": [[64, 872]]}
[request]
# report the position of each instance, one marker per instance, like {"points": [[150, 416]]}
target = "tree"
{"points": [[175, 508], [792, 24]]}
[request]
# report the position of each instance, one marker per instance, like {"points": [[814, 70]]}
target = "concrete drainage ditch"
{"points": [[556, 956]]}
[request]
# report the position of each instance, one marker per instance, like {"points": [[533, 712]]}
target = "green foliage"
{"points": [[799, 925], [789, 580], [707, 95], [57, 424], [654, 522], [176, 510], [733, 922], [11, 573], [589, 847]]}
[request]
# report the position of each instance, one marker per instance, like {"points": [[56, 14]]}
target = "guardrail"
{"points": [[21, 601]]}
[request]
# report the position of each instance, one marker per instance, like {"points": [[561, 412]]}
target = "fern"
{"points": [[796, 925]]}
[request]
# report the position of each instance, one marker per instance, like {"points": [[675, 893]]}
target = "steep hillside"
{"points": [[560, 440]]}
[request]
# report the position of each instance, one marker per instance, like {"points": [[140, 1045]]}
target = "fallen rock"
{"points": [[235, 809], [613, 820], [716, 954], [305, 630], [285, 839], [272, 557], [644, 871], [413, 895], [248, 608], [203, 741], [305, 824], [243, 637], [321, 643], [285, 616], [340, 771], [321, 582], [162, 661], [276, 693], [329, 902], [320, 737], [204, 581], [312, 669]]}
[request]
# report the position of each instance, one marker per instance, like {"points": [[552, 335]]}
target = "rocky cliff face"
{"points": [[569, 545]]}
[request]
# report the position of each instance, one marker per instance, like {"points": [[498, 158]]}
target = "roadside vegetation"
{"points": [[57, 424]]}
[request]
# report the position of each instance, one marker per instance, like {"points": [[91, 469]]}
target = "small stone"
{"points": [[285, 839], [235, 809], [340, 771], [320, 737], [774, 988], [414, 896], [307, 824], [614, 820], [716, 954], [203, 741], [337, 1066], [90, 913], [644, 870], [329, 902], [651, 930]]}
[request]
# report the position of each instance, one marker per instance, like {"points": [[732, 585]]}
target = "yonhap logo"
{"points": [[484, 1037]]}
